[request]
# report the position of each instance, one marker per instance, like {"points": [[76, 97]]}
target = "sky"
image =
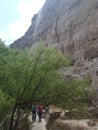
{"points": [[16, 17]]}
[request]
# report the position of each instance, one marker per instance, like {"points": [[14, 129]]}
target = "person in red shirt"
{"points": [[40, 108]]}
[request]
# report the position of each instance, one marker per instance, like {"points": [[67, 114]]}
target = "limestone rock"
{"points": [[72, 25]]}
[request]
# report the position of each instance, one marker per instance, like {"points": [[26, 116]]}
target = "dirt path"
{"points": [[37, 125]]}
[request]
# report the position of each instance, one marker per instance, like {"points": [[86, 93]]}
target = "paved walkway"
{"points": [[37, 125]]}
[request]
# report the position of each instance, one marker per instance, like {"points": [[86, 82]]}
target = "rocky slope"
{"points": [[72, 25]]}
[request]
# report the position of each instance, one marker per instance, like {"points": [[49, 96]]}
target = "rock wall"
{"points": [[72, 25]]}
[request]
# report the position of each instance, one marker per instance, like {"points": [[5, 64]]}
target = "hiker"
{"points": [[34, 112], [40, 108]]}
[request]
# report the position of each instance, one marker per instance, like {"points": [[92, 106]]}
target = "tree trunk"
{"points": [[12, 118], [16, 122]]}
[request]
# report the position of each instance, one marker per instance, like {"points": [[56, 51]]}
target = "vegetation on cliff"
{"points": [[34, 77]]}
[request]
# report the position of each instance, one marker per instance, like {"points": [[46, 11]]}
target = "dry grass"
{"points": [[68, 127], [74, 125]]}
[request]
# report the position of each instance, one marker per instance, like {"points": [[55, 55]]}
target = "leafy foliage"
{"points": [[34, 77], [5, 105], [26, 77]]}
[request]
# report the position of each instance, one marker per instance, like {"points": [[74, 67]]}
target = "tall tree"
{"points": [[28, 77]]}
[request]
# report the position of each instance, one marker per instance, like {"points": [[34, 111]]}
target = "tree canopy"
{"points": [[27, 77]]}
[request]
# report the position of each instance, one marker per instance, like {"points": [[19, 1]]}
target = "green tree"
{"points": [[29, 77]]}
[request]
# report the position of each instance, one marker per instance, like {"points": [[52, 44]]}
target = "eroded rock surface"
{"points": [[72, 25]]}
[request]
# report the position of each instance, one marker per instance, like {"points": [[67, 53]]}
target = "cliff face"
{"points": [[73, 26]]}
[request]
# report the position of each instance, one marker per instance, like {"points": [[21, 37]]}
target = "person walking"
{"points": [[40, 108], [34, 112]]}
